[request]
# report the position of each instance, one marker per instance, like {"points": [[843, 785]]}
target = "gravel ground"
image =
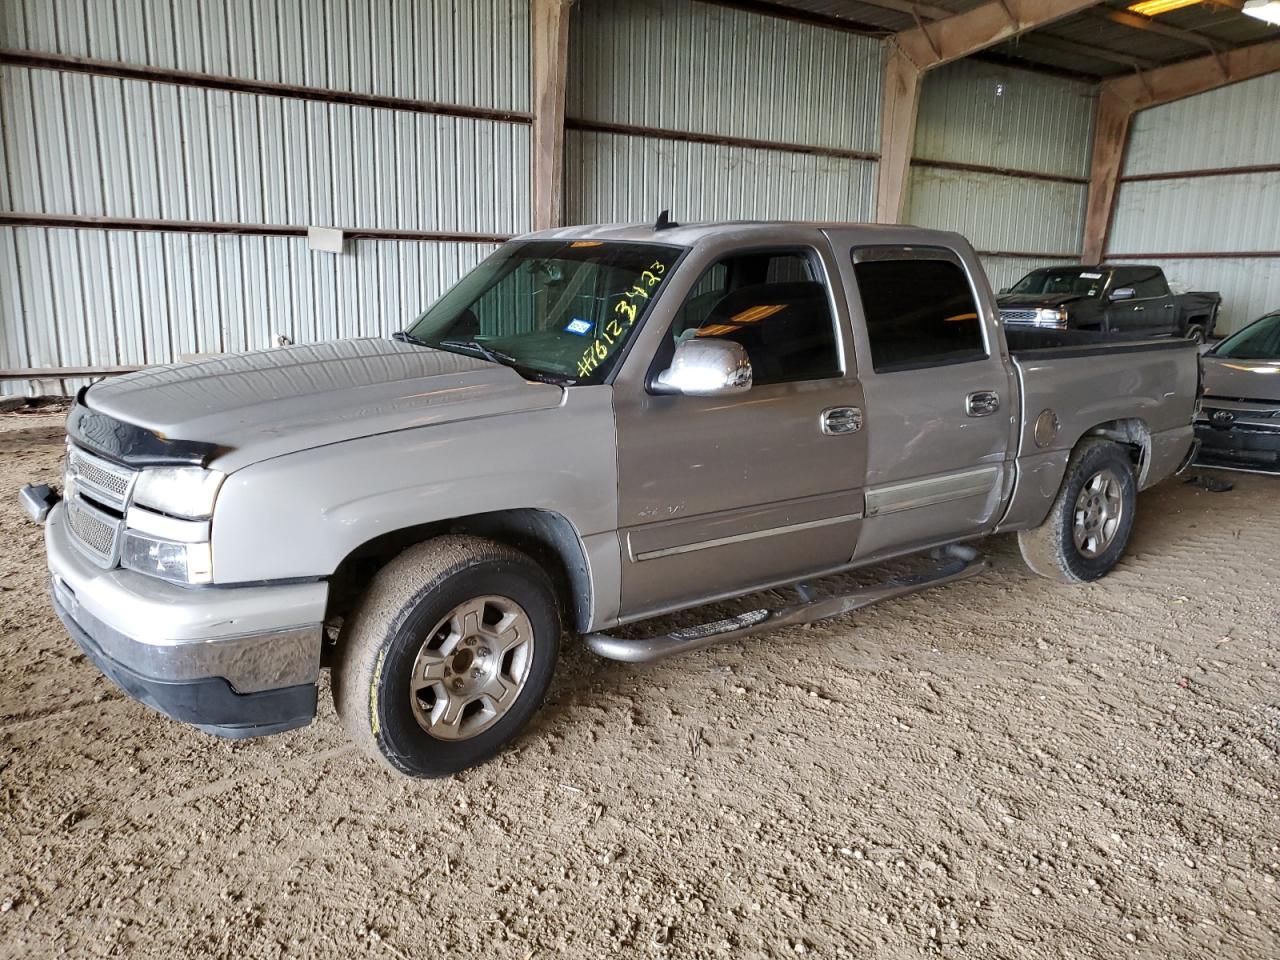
{"points": [[1002, 767]]}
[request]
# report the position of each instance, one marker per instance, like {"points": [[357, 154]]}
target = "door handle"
{"points": [[982, 403], [1168, 306], [839, 420], [1138, 309]]}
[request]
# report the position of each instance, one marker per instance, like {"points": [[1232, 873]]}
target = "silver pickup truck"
{"points": [[596, 426]]}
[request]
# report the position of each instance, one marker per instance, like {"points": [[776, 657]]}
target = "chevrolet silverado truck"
{"points": [[1126, 302], [596, 426]]}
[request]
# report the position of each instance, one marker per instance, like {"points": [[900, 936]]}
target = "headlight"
{"points": [[1049, 317], [179, 491], [167, 559]]}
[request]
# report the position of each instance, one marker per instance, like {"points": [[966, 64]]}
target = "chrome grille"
{"points": [[102, 480], [1018, 316], [96, 533]]}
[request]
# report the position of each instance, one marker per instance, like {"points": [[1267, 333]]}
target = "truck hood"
{"points": [[1241, 379], [274, 402], [1038, 299]]}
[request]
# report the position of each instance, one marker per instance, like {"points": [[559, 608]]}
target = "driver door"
{"points": [[721, 494]]}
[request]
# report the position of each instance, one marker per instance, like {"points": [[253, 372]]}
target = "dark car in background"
{"points": [[1239, 421], [1128, 301]]}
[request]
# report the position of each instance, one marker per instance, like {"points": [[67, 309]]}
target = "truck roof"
{"points": [[688, 234]]}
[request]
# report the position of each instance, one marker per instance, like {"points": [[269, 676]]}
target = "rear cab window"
{"points": [[919, 307]]}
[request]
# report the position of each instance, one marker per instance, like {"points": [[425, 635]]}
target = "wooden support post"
{"points": [[1121, 98], [915, 51], [550, 59], [1110, 135], [897, 135]]}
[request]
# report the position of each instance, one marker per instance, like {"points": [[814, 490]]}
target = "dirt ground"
{"points": [[999, 768]]}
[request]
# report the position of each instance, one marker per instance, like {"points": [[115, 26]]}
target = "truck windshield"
{"points": [[1074, 280], [1258, 341], [559, 310]]}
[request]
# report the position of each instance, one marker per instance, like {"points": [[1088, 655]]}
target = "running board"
{"points": [[956, 562]]}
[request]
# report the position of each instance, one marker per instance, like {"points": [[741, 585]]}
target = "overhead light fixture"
{"points": [[1152, 8], [1265, 10]]}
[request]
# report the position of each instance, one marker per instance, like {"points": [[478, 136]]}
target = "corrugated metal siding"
{"points": [[1006, 271], [980, 113], [698, 67], [1249, 288], [987, 115], [613, 178], [1233, 126], [998, 213], [99, 146], [474, 53], [1238, 212], [113, 297]]}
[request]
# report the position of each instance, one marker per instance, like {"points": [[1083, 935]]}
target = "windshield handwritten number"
{"points": [[626, 313]]}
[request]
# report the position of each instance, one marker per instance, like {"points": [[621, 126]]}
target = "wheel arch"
{"points": [[548, 537], [1133, 434]]}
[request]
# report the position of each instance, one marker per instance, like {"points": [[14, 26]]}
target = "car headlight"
{"points": [[1051, 317], [167, 559], [179, 491]]}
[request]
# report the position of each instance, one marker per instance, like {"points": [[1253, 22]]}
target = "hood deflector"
{"points": [[130, 444]]}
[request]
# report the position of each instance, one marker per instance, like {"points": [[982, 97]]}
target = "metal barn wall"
{"points": [[1002, 156], [1200, 195], [716, 112], [190, 160]]}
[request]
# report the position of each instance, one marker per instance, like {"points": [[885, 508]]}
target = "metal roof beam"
{"points": [[929, 45], [1120, 98]]}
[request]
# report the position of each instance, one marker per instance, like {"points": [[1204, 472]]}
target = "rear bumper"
{"points": [[234, 661]]}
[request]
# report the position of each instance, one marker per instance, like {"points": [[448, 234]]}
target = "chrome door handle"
{"points": [[982, 403], [838, 420], [1138, 309]]}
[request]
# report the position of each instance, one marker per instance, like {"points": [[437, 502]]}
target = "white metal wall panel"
{"points": [[614, 178], [111, 297], [474, 53], [1249, 287], [699, 67], [1233, 126], [1197, 214], [999, 213], [99, 146], [981, 113], [1006, 271]]}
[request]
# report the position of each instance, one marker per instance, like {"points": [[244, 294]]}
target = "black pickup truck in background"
{"points": [[1128, 301]]}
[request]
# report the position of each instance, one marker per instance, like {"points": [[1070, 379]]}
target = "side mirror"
{"points": [[706, 368], [1122, 293]]}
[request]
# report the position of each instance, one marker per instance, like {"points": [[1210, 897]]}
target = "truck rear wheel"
{"points": [[447, 656], [1089, 524]]}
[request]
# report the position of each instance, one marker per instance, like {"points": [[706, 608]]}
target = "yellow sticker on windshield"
{"points": [[612, 331]]}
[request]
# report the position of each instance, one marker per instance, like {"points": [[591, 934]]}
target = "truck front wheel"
{"points": [[1089, 524], [447, 655]]}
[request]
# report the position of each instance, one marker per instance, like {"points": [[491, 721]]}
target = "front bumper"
{"points": [[233, 661], [1241, 447]]}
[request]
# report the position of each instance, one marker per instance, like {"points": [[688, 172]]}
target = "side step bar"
{"points": [[956, 562]]}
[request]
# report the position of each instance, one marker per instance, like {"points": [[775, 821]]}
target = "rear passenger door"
{"points": [[939, 398]]}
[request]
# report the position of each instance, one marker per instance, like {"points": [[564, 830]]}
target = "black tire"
{"points": [[1195, 333], [382, 639], [1051, 549]]}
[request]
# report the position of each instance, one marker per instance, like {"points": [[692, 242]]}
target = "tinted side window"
{"points": [[776, 305], [1149, 283], [919, 313]]}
